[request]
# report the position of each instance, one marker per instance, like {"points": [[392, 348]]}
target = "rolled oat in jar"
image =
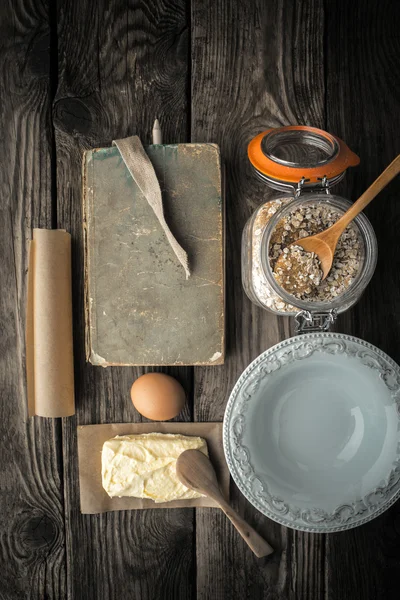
{"points": [[278, 275]]}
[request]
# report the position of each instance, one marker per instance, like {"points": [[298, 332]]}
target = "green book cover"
{"points": [[139, 307]]}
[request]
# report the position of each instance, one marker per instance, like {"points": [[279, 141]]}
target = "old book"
{"points": [[139, 307]]}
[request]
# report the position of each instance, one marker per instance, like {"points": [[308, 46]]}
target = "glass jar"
{"points": [[307, 162]]}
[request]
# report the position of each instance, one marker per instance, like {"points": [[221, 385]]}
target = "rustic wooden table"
{"points": [[76, 74]]}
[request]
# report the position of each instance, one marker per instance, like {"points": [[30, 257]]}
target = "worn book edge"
{"points": [[85, 257]]}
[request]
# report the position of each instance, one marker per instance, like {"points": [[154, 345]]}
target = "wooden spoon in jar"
{"points": [[195, 471], [324, 244]]}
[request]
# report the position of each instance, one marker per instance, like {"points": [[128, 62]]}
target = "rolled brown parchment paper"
{"points": [[49, 351], [94, 499]]}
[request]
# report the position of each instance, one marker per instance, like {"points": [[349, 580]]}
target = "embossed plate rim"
{"points": [[233, 463]]}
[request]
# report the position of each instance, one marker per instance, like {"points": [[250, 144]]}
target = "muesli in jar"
{"points": [[298, 271], [294, 269]]}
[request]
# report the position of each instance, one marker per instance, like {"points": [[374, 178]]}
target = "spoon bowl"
{"points": [[195, 471]]}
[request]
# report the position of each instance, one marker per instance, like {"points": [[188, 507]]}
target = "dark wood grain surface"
{"points": [[362, 106], [263, 78], [120, 65], [77, 74], [32, 529]]}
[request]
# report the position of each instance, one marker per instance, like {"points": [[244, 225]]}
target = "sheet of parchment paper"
{"points": [[49, 351], [91, 438]]}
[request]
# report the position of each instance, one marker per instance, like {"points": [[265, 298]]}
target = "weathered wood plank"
{"points": [[120, 65], [363, 90], [255, 65], [32, 514]]}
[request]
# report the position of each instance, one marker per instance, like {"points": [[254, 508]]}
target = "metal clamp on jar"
{"points": [[304, 163]]}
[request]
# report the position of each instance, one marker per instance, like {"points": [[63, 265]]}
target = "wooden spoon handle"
{"points": [[259, 546], [384, 178]]}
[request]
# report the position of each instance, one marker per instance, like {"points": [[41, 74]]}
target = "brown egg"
{"points": [[157, 396]]}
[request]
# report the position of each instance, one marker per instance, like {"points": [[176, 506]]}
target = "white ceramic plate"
{"points": [[311, 432]]}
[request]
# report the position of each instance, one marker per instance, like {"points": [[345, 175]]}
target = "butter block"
{"points": [[144, 466]]}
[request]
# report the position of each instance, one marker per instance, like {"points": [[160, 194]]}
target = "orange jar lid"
{"points": [[294, 153]]}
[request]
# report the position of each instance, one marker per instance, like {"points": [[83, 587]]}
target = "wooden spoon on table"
{"points": [[195, 471], [324, 244]]}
